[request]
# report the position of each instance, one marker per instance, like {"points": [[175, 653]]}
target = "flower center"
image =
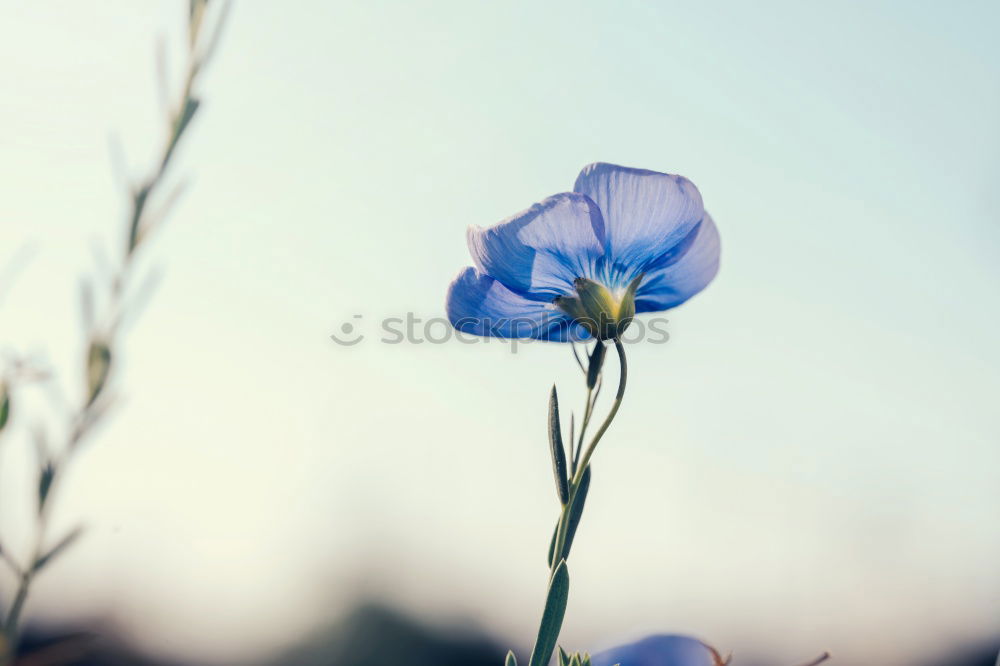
{"points": [[604, 313]]}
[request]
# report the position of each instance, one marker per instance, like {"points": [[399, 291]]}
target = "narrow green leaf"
{"points": [[574, 453], [552, 617], [45, 478], [180, 123], [596, 363], [191, 105], [139, 199], [212, 43], [576, 511], [552, 545], [98, 367], [511, 660], [4, 405], [557, 448], [563, 657], [62, 545]]}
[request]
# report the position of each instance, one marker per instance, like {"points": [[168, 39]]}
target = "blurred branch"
{"points": [[818, 660], [102, 354]]}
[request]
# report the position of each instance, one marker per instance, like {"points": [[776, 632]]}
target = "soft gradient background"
{"points": [[811, 463]]}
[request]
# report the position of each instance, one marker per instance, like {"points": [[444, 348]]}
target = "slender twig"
{"points": [[818, 660], [577, 357], [100, 339], [597, 387], [14, 565]]}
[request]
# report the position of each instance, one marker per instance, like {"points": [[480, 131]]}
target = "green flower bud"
{"points": [[98, 367], [596, 362], [604, 314]]}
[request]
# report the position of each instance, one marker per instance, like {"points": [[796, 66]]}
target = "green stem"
{"points": [[555, 604], [623, 377], [562, 530], [11, 633], [578, 445], [10, 630]]}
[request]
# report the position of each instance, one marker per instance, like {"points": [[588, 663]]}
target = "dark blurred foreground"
{"points": [[370, 635]]}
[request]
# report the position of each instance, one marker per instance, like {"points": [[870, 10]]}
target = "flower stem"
{"points": [[623, 377], [562, 530], [578, 445], [555, 605], [11, 629]]}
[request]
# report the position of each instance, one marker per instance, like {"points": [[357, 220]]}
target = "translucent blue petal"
{"points": [[682, 271], [663, 650], [540, 251], [481, 305], [645, 214]]}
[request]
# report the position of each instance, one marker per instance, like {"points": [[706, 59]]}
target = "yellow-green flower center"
{"points": [[604, 313]]}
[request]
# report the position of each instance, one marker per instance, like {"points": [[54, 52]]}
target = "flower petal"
{"points": [[663, 650], [540, 251], [682, 271], [645, 213], [481, 305]]}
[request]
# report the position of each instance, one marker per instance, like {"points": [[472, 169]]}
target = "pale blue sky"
{"points": [[812, 462]]}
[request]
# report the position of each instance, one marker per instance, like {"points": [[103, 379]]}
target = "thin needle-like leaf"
{"points": [[61, 546], [557, 448]]}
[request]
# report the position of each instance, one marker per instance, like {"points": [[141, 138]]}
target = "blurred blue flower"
{"points": [[624, 237], [661, 650]]}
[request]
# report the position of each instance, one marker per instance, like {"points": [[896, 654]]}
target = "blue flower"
{"points": [[623, 241], [661, 650]]}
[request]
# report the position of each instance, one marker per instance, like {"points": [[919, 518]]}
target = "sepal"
{"points": [[597, 310], [626, 310]]}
